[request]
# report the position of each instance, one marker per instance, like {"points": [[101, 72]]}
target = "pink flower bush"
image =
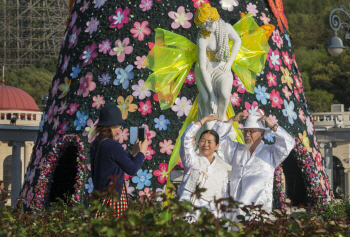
{"points": [[105, 46], [271, 79], [286, 92], [73, 108], [145, 108], [54, 87], [121, 49], [140, 90], [88, 54], [277, 38], [198, 3], [252, 109], [251, 8], [180, 18], [122, 135], [98, 101], [264, 19], [146, 5], [190, 78], [140, 30], [274, 59], [73, 38], [276, 100], [235, 100], [166, 147], [139, 61], [182, 106], [86, 85], [162, 173], [149, 133], [149, 153], [287, 60], [238, 83], [120, 18]]}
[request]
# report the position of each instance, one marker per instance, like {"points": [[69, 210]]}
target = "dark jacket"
{"points": [[111, 160]]}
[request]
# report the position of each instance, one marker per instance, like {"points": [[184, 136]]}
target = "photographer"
{"points": [[3, 195], [108, 158]]}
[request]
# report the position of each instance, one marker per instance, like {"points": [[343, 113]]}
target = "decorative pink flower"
{"points": [[120, 18], [55, 87], [162, 173], [271, 79], [190, 78], [54, 140], [274, 59], [65, 64], [149, 153], [315, 142], [251, 8], [273, 118], [122, 135], [287, 60], [145, 108], [318, 159], [56, 122], [149, 133], [301, 115], [51, 112], [63, 107], [298, 84], [322, 183], [180, 18], [127, 177], [85, 6], [286, 92], [73, 108], [145, 194], [73, 19], [24, 191], [140, 30], [277, 38], [182, 106], [264, 19], [146, 5], [98, 101], [296, 94], [64, 127], [105, 46], [38, 154], [88, 54], [121, 49], [235, 100], [238, 83], [166, 147], [252, 109], [92, 25], [89, 130], [29, 197], [73, 38], [86, 85], [296, 65], [198, 3], [180, 164], [276, 100], [140, 90], [160, 191], [32, 175], [139, 61]]}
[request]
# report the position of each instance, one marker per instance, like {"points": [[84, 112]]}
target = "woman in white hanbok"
{"points": [[204, 169]]}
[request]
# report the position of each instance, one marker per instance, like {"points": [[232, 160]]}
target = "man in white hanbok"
{"points": [[253, 163]]}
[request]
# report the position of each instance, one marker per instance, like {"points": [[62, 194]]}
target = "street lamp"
{"points": [[335, 45]]}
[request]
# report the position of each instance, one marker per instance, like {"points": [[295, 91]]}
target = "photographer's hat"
{"points": [[110, 115]]}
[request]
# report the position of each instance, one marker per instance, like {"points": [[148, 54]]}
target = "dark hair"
{"points": [[212, 132], [106, 130], [1, 182]]}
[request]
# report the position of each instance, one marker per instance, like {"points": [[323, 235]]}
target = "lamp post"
{"points": [[335, 45]]}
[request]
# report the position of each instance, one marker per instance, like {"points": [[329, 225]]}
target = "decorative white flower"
{"points": [[89, 186], [130, 189], [182, 106], [140, 90], [228, 4], [310, 130]]}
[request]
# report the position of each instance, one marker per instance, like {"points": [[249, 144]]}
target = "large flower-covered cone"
{"points": [[101, 62]]}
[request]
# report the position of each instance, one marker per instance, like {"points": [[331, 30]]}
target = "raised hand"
{"points": [[238, 117]]}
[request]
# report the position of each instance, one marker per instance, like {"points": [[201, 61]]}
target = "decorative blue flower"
{"points": [[75, 71], [161, 123], [142, 179], [81, 120], [288, 111], [89, 186], [261, 95], [288, 39], [269, 137], [123, 76]]}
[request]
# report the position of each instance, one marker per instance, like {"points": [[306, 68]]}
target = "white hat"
{"points": [[252, 122]]}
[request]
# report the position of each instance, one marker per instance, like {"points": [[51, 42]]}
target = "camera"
{"points": [[137, 133]]}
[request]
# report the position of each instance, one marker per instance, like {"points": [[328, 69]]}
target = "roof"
{"points": [[12, 98]]}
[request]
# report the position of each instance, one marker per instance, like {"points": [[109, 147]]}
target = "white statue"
{"points": [[213, 69]]}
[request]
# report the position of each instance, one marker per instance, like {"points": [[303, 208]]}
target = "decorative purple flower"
{"points": [[105, 46], [44, 138], [121, 49], [105, 78], [54, 140], [63, 107], [251, 8], [73, 38], [55, 87], [65, 64], [99, 3], [73, 19], [88, 54], [64, 127], [73, 108], [85, 6], [146, 5], [119, 19], [92, 25]]}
